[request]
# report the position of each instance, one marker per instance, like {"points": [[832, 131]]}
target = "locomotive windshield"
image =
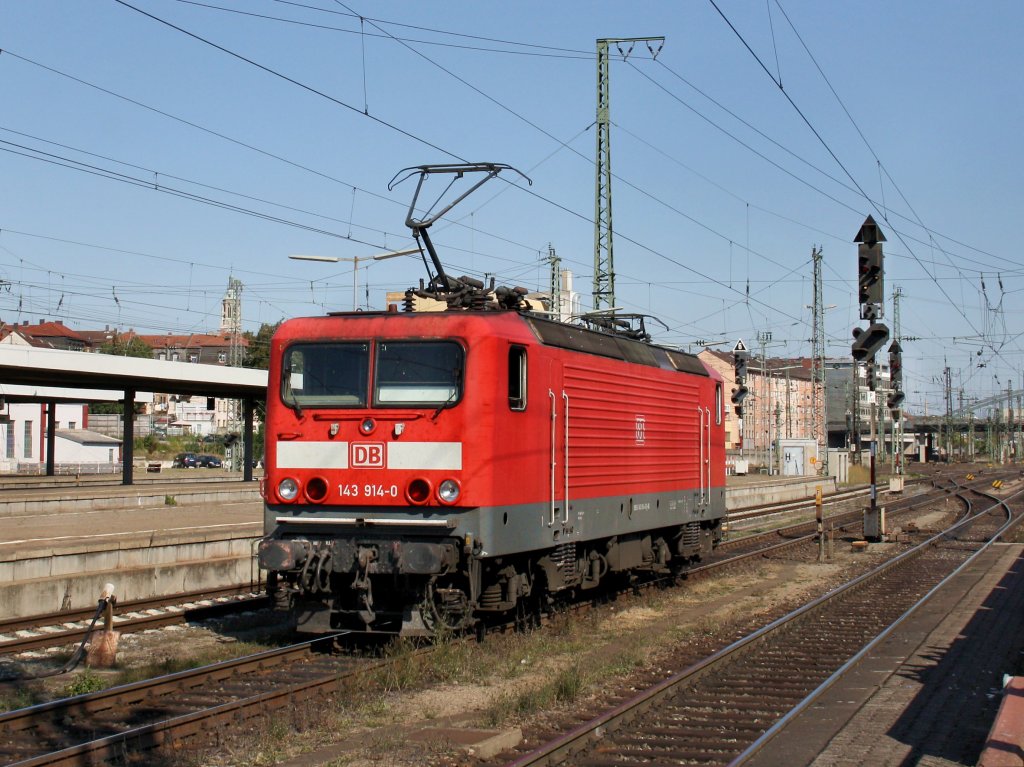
{"points": [[407, 374], [418, 373], [326, 375]]}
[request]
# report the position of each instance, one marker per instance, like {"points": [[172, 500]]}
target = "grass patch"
{"points": [[566, 687], [21, 697], [173, 665], [449, 660], [86, 682]]}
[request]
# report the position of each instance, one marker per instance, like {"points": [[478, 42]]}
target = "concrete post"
{"points": [[128, 445], [51, 437]]}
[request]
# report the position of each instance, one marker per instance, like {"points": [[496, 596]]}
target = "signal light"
{"points": [[870, 268], [895, 401], [896, 365], [867, 342], [738, 395], [869, 374], [740, 368]]}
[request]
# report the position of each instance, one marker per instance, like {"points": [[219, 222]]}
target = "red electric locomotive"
{"points": [[428, 469]]}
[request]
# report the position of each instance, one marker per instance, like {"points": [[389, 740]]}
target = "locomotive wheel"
{"points": [[528, 614], [445, 610]]}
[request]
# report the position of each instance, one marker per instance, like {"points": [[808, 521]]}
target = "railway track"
{"points": [[800, 533], [721, 710], [72, 626], [132, 718], [58, 629]]}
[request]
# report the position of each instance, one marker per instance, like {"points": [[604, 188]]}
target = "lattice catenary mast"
{"points": [[556, 283], [819, 423], [604, 268]]}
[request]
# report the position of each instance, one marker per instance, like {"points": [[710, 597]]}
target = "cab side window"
{"points": [[517, 378]]}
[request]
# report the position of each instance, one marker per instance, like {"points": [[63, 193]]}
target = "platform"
{"points": [[929, 693], [59, 546], [62, 539]]}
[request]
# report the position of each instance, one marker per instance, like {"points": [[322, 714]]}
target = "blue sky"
{"points": [[142, 166]]}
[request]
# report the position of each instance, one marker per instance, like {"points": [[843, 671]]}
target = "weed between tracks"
{"points": [[509, 679], [573, 664], [23, 697], [129, 669]]}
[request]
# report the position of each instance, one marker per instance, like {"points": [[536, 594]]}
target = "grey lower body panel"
{"points": [[505, 530]]}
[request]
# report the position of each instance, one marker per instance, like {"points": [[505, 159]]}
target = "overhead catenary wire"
{"points": [[293, 81], [577, 53], [538, 50], [730, 240], [828, 149], [339, 102], [350, 107]]}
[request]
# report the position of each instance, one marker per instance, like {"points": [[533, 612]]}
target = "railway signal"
{"points": [[895, 402], [740, 392], [869, 374], [870, 270], [867, 342], [870, 281], [897, 396]]}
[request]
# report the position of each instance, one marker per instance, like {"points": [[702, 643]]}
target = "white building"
{"points": [[23, 438], [82, 446]]}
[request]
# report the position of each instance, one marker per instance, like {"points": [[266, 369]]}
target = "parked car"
{"points": [[185, 461], [210, 462]]}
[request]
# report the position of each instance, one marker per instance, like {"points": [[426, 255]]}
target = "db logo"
{"points": [[367, 455]]}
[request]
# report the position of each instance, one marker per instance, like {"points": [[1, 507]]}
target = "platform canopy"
{"points": [[28, 374], [29, 366]]}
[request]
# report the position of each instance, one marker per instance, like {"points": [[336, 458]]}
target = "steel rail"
{"points": [[580, 737], [164, 731], [838, 674], [843, 518], [160, 732], [761, 510], [124, 622], [122, 608]]}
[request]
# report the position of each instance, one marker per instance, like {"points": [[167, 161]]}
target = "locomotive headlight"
{"points": [[288, 489], [367, 425], [448, 491]]}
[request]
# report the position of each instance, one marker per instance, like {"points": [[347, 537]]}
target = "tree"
{"points": [[258, 356], [258, 353], [127, 347], [122, 346], [106, 408]]}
